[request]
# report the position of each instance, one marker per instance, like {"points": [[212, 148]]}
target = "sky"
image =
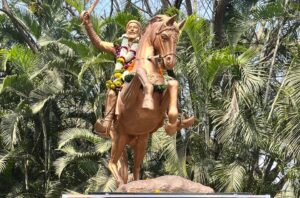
{"points": [[103, 7]]}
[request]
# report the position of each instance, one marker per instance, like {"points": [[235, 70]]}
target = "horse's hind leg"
{"points": [[123, 166], [139, 149], [118, 146]]}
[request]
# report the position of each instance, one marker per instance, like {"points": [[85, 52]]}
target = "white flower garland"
{"points": [[127, 52]]}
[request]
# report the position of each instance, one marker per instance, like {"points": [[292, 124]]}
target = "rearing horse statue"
{"points": [[141, 110]]}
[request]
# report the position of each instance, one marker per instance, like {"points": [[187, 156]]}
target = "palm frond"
{"points": [[174, 152], [198, 31], [80, 159], [29, 21], [55, 45], [23, 59], [288, 190], [19, 84], [110, 185], [293, 82], [52, 84], [10, 133], [269, 10], [77, 4], [102, 181], [80, 48], [229, 177], [54, 189], [3, 161], [95, 63], [72, 134], [4, 57]]}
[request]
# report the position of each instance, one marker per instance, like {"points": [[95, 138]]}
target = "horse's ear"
{"points": [[181, 24], [171, 20]]}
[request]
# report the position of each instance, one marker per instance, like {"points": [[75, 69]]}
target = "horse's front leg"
{"points": [[169, 104], [148, 89], [119, 141], [172, 90]]}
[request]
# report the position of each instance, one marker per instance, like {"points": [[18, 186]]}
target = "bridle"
{"points": [[160, 58]]}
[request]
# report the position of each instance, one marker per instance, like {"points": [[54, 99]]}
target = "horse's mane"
{"points": [[157, 18]]}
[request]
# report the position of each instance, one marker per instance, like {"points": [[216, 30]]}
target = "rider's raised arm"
{"points": [[95, 39]]}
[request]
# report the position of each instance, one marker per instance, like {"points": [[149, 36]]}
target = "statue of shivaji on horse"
{"points": [[148, 97]]}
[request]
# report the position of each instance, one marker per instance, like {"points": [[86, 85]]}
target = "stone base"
{"points": [[165, 184], [165, 195]]}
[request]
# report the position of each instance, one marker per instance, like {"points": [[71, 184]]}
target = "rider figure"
{"points": [[125, 55]]}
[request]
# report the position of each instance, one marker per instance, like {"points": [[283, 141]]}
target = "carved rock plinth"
{"points": [[165, 184]]}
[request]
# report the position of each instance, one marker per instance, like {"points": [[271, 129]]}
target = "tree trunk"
{"points": [[20, 27], [177, 4], [148, 8], [218, 22], [165, 4], [273, 63], [189, 8], [46, 151]]}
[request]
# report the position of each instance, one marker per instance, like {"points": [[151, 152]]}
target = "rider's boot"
{"points": [[102, 127]]}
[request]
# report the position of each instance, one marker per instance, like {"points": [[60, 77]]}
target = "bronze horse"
{"points": [[140, 110]]}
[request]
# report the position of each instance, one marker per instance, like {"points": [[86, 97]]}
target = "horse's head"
{"points": [[164, 39]]}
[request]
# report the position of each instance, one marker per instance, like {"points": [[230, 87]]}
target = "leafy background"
{"points": [[239, 73]]}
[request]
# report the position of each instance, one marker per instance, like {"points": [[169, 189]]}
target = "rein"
{"points": [[158, 58]]}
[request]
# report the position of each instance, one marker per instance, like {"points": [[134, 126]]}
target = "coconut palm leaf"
{"points": [[173, 150], [54, 190], [95, 63], [230, 177], [72, 134], [29, 21], [10, 132], [77, 4], [19, 84], [3, 161], [101, 181], [80, 159], [110, 185], [81, 49]]}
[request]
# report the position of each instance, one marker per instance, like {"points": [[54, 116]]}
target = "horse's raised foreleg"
{"points": [[171, 126], [118, 146], [139, 149], [148, 88], [169, 105]]}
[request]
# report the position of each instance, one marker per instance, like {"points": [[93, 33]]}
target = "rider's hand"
{"points": [[85, 17]]}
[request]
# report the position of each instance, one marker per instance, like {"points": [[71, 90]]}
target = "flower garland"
{"points": [[124, 63]]}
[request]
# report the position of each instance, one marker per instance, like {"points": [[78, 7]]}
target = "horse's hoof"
{"points": [[120, 182], [101, 134], [101, 129], [148, 103], [171, 129], [185, 123]]}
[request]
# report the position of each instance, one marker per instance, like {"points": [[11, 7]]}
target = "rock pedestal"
{"points": [[165, 184]]}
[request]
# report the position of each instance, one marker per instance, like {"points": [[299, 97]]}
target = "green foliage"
{"points": [[241, 142]]}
